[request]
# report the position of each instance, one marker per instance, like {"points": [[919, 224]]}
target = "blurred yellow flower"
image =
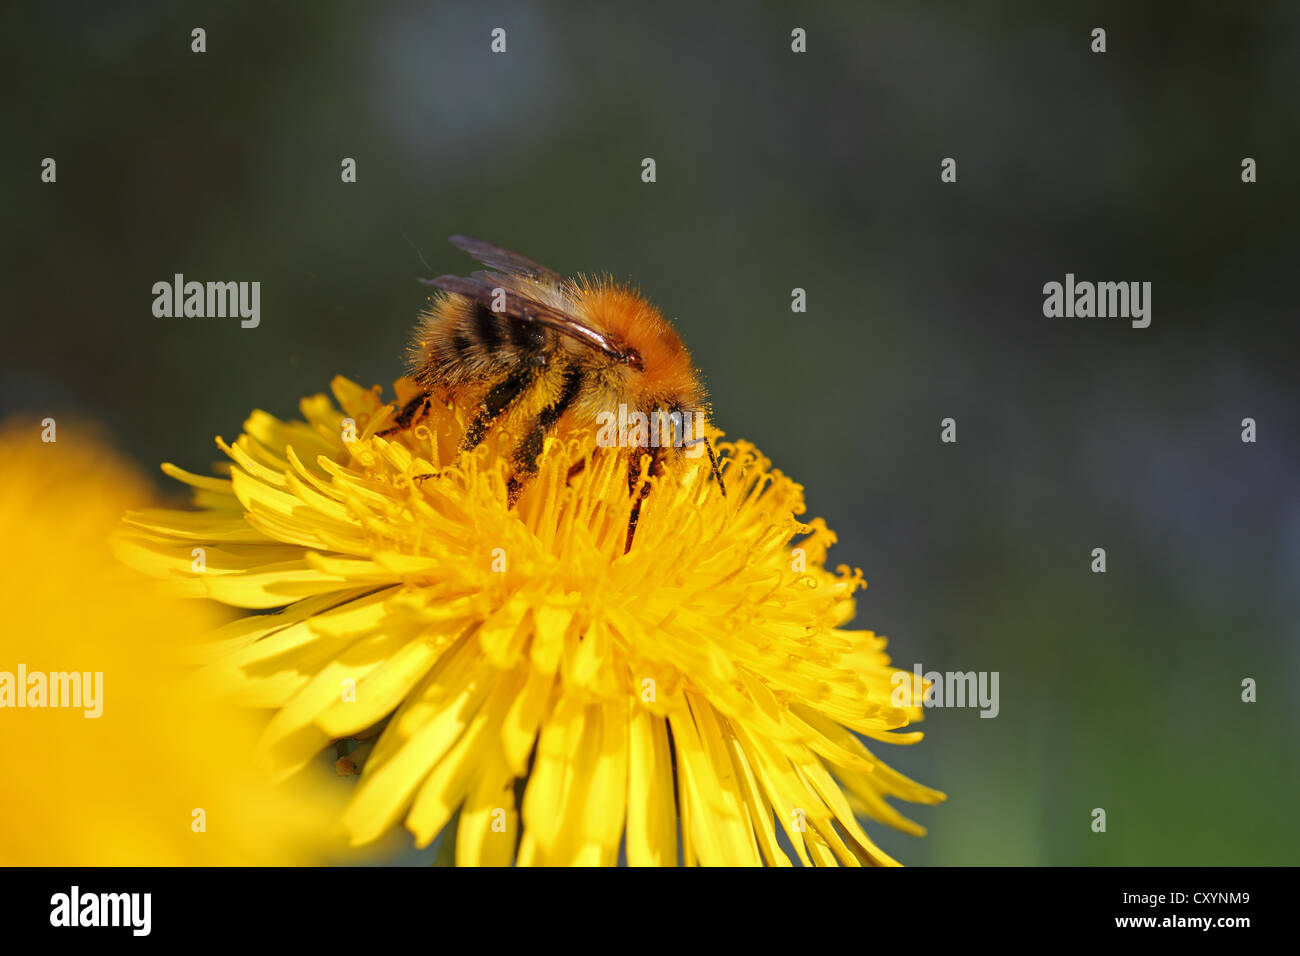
{"points": [[704, 678], [160, 774]]}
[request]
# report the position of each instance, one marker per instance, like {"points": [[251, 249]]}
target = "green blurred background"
{"points": [[776, 170]]}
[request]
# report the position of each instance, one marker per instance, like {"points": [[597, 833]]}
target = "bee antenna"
{"points": [[426, 265], [713, 460]]}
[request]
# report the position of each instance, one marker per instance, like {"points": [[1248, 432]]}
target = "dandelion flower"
{"points": [[543, 696], [123, 764]]}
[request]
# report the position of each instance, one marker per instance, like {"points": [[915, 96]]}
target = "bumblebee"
{"points": [[520, 344]]}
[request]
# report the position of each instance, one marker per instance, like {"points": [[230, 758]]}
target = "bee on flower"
{"points": [[555, 650]]}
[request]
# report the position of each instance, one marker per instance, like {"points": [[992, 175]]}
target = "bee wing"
{"points": [[511, 263], [482, 289]]}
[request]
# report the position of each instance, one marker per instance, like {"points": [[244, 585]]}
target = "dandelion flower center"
{"points": [[532, 689]]}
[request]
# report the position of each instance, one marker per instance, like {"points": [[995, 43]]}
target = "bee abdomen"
{"points": [[479, 335], [527, 339], [487, 327], [463, 346]]}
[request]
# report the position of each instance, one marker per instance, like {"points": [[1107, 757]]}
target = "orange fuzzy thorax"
{"points": [[636, 322]]}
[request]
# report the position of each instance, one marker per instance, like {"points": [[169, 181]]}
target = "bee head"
{"points": [[632, 358]]}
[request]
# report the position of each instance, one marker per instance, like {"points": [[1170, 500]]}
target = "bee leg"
{"points": [[717, 472], [633, 476], [410, 411], [515, 486], [500, 397], [524, 459]]}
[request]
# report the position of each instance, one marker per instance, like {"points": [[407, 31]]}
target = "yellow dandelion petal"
{"points": [[137, 766], [696, 698], [651, 812]]}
